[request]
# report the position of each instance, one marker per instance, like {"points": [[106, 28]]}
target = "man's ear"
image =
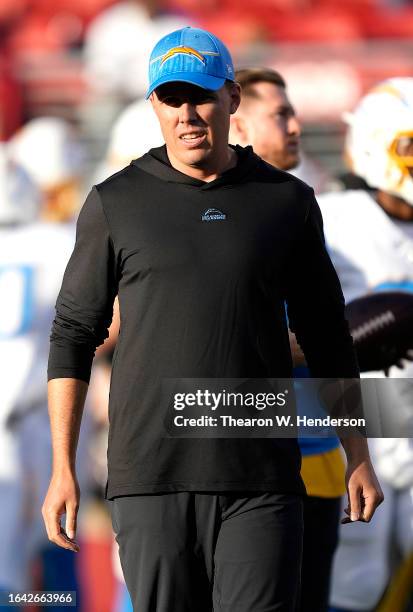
{"points": [[235, 98], [238, 130]]}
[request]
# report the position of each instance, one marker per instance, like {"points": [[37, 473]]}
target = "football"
{"points": [[381, 325]]}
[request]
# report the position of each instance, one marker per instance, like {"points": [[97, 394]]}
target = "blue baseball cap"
{"points": [[192, 56]]}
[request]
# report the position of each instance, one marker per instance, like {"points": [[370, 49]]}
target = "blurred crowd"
{"points": [[60, 55], [72, 79]]}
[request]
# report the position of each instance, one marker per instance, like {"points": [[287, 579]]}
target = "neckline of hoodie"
{"points": [[168, 173]]}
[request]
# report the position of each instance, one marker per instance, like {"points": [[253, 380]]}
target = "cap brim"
{"points": [[205, 81]]}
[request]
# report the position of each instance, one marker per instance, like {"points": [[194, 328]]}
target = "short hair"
{"points": [[248, 77]]}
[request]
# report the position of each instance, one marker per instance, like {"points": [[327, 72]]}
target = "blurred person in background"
{"points": [[49, 151], [19, 203], [373, 228], [134, 132], [116, 56], [267, 120]]}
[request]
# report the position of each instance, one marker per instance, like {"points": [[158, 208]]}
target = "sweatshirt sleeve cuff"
{"points": [[70, 361]]}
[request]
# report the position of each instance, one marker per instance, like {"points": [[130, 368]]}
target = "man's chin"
{"points": [[284, 162], [196, 157], [291, 162]]}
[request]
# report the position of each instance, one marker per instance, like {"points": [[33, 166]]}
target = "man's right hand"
{"points": [[62, 498]]}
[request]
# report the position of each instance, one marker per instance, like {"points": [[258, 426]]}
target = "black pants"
{"points": [[197, 552], [321, 520]]}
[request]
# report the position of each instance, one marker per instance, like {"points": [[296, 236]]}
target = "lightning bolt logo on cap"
{"points": [[182, 51]]}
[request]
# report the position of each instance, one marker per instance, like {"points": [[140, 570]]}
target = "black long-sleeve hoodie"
{"points": [[202, 271]]}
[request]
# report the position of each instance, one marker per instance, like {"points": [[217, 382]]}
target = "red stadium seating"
{"points": [[11, 103]]}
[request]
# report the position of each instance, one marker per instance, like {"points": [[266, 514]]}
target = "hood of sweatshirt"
{"points": [[156, 162]]}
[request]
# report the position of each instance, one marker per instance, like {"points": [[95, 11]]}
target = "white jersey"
{"points": [[361, 234], [32, 262], [379, 247]]}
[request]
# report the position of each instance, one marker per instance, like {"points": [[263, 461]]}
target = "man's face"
{"points": [[195, 122], [271, 126]]}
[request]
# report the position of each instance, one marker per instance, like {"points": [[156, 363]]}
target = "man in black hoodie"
{"points": [[203, 243]]}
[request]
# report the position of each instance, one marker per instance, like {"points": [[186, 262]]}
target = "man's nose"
{"points": [[294, 126], [187, 112]]}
